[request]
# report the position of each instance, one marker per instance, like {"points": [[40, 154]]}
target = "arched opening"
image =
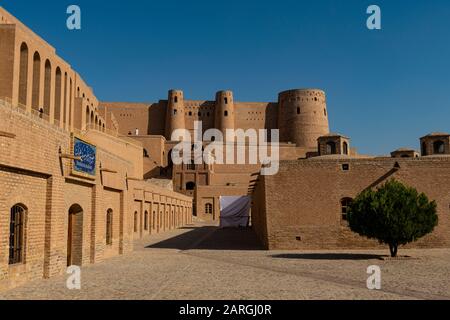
{"points": [[331, 147], [298, 110], [135, 221], [190, 186], [87, 117], [345, 204], [23, 74], [47, 87], [36, 81], [58, 82], [109, 227], [64, 104], [146, 155], [91, 121], [96, 123], [225, 113], [345, 148], [70, 102], [17, 234], [208, 208], [146, 220], [75, 236], [439, 147]]}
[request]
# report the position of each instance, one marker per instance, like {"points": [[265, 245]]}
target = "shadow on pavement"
{"points": [[212, 238], [329, 256]]}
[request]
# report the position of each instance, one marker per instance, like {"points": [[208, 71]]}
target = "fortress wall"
{"points": [[256, 115], [129, 115], [320, 184]]}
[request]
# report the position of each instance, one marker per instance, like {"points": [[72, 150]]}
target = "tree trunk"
{"points": [[393, 247]]}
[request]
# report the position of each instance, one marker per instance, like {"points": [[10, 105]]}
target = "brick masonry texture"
{"points": [[34, 176], [308, 214], [44, 104]]}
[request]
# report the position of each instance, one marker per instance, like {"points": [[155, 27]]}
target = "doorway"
{"points": [[75, 236]]}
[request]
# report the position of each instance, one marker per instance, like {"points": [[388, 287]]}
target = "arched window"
{"points": [[190, 185], [70, 103], [225, 113], [87, 117], [36, 81], [175, 111], [208, 208], [331, 147], [298, 110], [146, 155], [135, 221], [439, 147], [58, 86], [47, 87], [345, 203], [345, 148], [146, 220], [109, 227], [154, 219], [16, 234], [91, 122], [23, 74]]}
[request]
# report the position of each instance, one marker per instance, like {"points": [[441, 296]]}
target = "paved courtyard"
{"points": [[204, 262]]}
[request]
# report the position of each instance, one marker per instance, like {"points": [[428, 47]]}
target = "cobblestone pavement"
{"points": [[203, 262]]}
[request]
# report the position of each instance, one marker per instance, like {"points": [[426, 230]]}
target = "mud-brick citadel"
{"points": [[81, 179]]}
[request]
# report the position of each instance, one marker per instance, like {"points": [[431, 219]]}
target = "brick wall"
{"points": [[307, 214]]}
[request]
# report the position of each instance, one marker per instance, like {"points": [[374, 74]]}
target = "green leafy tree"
{"points": [[394, 214]]}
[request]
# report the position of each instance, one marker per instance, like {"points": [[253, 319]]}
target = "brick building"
{"points": [[81, 179], [51, 214]]}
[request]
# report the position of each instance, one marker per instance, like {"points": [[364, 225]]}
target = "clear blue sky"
{"points": [[385, 88]]}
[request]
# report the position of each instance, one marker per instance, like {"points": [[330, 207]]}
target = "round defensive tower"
{"points": [[175, 112], [224, 114], [302, 116]]}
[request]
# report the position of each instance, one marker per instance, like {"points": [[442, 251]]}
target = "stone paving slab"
{"points": [[203, 262]]}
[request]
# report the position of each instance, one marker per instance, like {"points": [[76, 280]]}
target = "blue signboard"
{"points": [[88, 154]]}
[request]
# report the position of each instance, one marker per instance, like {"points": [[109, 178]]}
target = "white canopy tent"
{"points": [[235, 211]]}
